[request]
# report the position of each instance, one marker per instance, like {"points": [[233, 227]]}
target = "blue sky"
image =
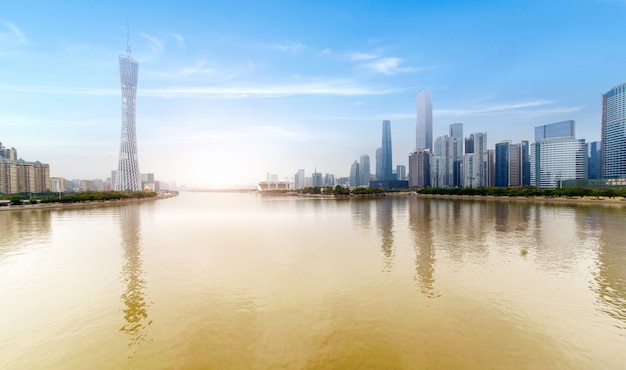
{"points": [[231, 90]]}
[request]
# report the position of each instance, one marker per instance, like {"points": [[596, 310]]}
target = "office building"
{"points": [[424, 125], [557, 156], [475, 161], [364, 170], [128, 176], [594, 160], [614, 133], [355, 179], [386, 153], [299, 179], [456, 135], [419, 168], [379, 164]]}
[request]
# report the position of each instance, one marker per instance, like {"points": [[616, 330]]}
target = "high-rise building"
{"points": [[554, 130], [316, 179], [442, 162], [419, 168], [456, 135], [594, 159], [475, 161], [401, 172], [614, 133], [424, 125], [557, 156], [379, 164], [354, 174], [299, 179], [128, 176], [364, 170], [502, 163], [386, 153]]}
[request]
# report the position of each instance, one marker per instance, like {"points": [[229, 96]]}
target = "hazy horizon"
{"points": [[231, 91]]}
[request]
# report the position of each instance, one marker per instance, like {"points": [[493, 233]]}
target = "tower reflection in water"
{"points": [[420, 221], [135, 305]]}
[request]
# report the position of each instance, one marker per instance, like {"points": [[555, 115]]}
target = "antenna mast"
{"points": [[127, 39]]}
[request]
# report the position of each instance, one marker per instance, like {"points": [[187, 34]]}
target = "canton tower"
{"points": [[128, 177]]}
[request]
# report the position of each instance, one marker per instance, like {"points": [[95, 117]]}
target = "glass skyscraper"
{"points": [[614, 132], [424, 126], [557, 155], [128, 176], [386, 156]]}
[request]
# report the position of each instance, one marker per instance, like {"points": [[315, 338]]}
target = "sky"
{"points": [[232, 90]]}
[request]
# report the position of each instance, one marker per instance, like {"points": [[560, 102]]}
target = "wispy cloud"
{"points": [[334, 87], [10, 36], [156, 46], [324, 87], [361, 56], [489, 109], [58, 90], [286, 47], [388, 66], [178, 37]]}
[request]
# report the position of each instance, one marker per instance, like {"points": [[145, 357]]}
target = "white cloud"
{"points": [[156, 46], [288, 47], [388, 66], [361, 56], [10, 36], [488, 109], [323, 87], [178, 37]]}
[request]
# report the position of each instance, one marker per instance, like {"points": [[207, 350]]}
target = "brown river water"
{"points": [[244, 281]]}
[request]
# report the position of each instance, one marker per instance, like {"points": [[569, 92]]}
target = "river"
{"points": [[244, 281]]}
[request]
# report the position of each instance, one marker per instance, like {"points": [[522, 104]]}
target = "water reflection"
{"points": [[420, 224], [136, 307], [384, 226], [611, 265], [19, 228]]}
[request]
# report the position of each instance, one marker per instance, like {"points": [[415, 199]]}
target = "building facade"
{"points": [[557, 155], [128, 175], [424, 124], [386, 153], [614, 133], [364, 170], [419, 168]]}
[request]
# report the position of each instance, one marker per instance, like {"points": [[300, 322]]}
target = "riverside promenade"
{"points": [[87, 204]]}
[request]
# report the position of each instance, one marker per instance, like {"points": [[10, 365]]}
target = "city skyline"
{"points": [[233, 91]]}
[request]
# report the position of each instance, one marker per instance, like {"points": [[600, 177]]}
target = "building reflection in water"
{"points": [[420, 224], [136, 307], [611, 264], [384, 226]]}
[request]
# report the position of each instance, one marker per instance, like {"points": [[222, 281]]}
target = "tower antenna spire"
{"points": [[127, 38]]}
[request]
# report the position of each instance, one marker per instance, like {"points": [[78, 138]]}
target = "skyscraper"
{"points": [[456, 137], [424, 126], [558, 156], [354, 174], [614, 132], [128, 176], [364, 170], [386, 156]]}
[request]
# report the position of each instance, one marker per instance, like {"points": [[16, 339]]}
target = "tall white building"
{"points": [[424, 125], [475, 162], [128, 176]]}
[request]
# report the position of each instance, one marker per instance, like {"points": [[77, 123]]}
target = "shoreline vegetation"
{"points": [[85, 199], [523, 194]]}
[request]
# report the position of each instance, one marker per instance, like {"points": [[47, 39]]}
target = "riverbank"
{"points": [[88, 204], [618, 202]]}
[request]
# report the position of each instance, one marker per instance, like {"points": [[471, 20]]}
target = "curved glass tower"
{"points": [[128, 177]]}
